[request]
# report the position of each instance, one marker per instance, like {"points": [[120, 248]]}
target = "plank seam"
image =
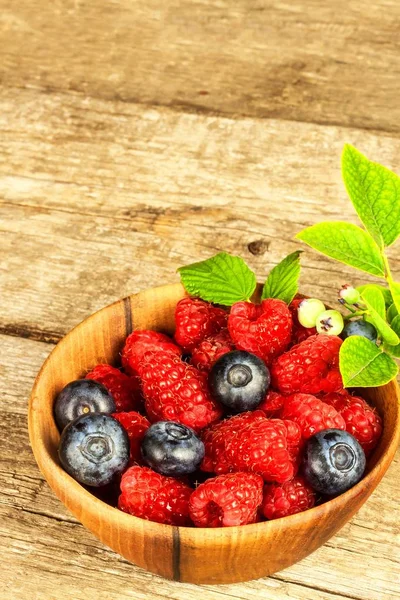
{"points": [[195, 109]]}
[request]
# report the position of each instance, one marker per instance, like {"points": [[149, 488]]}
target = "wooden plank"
{"points": [[44, 548], [90, 214], [334, 63]]}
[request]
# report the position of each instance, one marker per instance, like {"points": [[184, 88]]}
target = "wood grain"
{"points": [[136, 136], [89, 214], [324, 62]]}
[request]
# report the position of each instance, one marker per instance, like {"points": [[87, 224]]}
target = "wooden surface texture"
{"points": [[138, 136]]}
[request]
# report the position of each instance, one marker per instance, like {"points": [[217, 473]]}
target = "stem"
{"points": [[350, 309], [389, 277], [357, 313]]}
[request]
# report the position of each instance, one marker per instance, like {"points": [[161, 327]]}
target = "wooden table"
{"points": [[137, 136]]}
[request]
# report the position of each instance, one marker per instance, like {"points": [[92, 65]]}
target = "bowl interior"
{"points": [[99, 339]]}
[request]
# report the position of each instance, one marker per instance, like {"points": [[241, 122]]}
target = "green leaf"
{"points": [[363, 364], [396, 324], [375, 303], [394, 350], [283, 279], [347, 243], [374, 299], [395, 289], [222, 279], [375, 194], [391, 313], [384, 290]]}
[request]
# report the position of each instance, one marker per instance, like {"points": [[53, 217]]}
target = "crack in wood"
{"points": [[31, 333], [319, 588], [40, 513]]}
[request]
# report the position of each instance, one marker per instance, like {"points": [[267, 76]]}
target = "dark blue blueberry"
{"points": [[239, 380], [172, 449], [94, 449], [81, 397], [359, 327], [333, 461]]}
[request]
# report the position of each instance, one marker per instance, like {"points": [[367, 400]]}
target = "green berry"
{"points": [[309, 311], [349, 294], [330, 322]]}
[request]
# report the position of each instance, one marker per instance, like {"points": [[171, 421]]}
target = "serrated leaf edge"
{"points": [[381, 276]]}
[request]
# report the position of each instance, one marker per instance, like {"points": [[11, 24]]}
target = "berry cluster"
{"points": [[226, 424]]}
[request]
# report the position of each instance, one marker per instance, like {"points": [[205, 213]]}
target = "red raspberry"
{"points": [[211, 349], [125, 390], [196, 320], [311, 414], [250, 442], [217, 437], [281, 500], [299, 333], [227, 500], [176, 391], [272, 403], [361, 419], [263, 329], [149, 495], [139, 342], [294, 439], [136, 426], [310, 367]]}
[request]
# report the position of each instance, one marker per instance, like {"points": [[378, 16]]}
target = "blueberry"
{"points": [[94, 448], [330, 322], [172, 449], [333, 461], [239, 380], [360, 327], [81, 397], [349, 295], [309, 310]]}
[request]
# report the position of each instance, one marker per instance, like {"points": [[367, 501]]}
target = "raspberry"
{"points": [[263, 329], [299, 333], [136, 426], [250, 442], [139, 342], [196, 320], [272, 407], [217, 437], [227, 500], [272, 403], [361, 419], [281, 500], [176, 391], [211, 349], [310, 367], [149, 495], [294, 440], [311, 414], [125, 390]]}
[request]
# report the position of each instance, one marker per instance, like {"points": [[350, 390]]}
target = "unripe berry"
{"points": [[308, 311], [349, 294], [330, 322]]}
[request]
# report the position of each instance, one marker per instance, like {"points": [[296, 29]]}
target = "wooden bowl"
{"points": [[222, 555]]}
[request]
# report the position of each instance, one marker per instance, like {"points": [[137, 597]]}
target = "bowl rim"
{"points": [[61, 480]]}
